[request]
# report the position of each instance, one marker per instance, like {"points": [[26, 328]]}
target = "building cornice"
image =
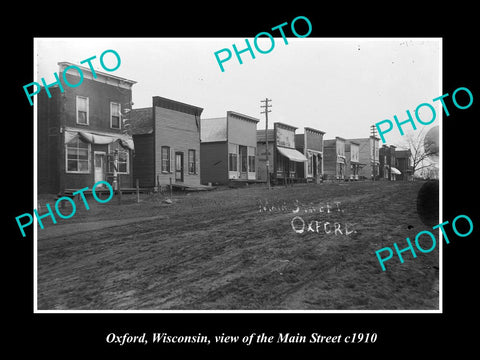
{"points": [[101, 77]]}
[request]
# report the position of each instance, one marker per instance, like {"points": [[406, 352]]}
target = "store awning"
{"points": [[395, 171], [96, 139], [292, 154], [93, 138]]}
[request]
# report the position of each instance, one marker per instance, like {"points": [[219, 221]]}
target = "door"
{"points": [[243, 161], [341, 171], [179, 166], [99, 162]]}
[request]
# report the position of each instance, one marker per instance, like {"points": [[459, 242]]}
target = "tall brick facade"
{"points": [[80, 129]]}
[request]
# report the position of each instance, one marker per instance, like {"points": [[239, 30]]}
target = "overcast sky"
{"points": [[340, 86]]}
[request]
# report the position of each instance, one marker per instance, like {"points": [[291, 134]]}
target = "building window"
{"points": [[123, 159], [78, 156], [82, 110], [191, 162], [280, 162], [310, 165], [232, 162], [291, 166], [251, 163], [115, 115], [165, 159]]}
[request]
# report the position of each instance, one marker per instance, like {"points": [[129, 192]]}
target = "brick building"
{"points": [[81, 134], [387, 163], [167, 143], [403, 164], [228, 148]]}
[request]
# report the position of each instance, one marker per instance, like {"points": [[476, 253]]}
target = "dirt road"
{"points": [[236, 249]]}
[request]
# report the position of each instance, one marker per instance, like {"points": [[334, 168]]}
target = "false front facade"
{"points": [[279, 144], [228, 148], [310, 143], [335, 161], [352, 160], [167, 143]]}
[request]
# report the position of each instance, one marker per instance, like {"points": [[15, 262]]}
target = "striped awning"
{"points": [[100, 139]]}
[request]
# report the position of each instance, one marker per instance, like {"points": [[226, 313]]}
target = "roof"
{"points": [[64, 64], [176, 106], [141, 121], [333, 141], [245, 117], [362, 140], [314, 130], [285, 125], [403, 153]]}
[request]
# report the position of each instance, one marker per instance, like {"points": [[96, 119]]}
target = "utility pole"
{"points": [[266, 106], [373, 130]]}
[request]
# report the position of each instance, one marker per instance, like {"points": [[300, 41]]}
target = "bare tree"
{"points": [[424, 150]]}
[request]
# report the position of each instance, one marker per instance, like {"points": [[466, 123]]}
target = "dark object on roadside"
{"points": [[427, 203]]}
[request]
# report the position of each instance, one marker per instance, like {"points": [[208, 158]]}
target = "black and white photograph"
{"points": [[240, 179], [259, 181]]}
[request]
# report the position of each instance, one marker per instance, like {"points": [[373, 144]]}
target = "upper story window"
{"points": [[82, 110], [115, 117]]}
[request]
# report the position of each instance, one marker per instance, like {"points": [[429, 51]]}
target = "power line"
{"points": [[266, 106], [373, 130]]}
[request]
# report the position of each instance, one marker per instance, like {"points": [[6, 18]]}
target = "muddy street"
{"points": [[226, 250]]}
